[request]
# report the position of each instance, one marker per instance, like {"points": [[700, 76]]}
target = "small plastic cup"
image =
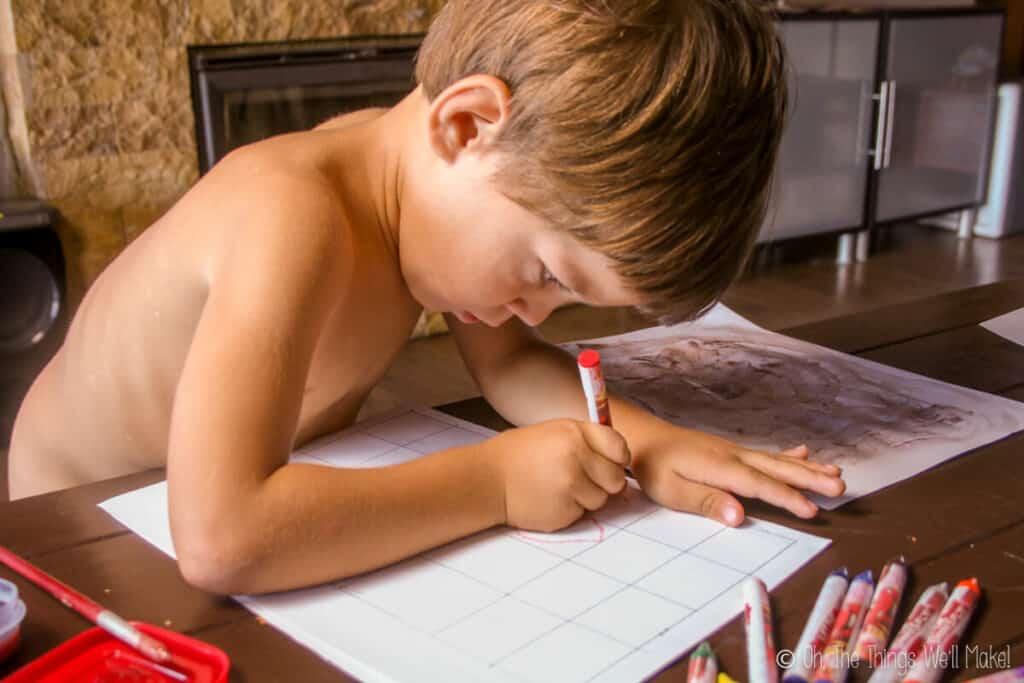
{"points": [[12, 611]]}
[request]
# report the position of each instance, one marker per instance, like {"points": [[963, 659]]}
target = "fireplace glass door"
{"points": [[244, 93]]}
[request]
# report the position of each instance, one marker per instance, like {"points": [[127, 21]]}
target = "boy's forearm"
{"points": [[541, 382], [309, 524]]}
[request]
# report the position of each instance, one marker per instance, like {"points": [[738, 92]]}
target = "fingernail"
{"points": [[731, 515]]}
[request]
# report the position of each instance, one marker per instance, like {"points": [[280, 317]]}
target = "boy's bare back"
{"points": [[102, 407]]}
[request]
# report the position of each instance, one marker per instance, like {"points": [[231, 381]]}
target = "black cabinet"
{"points": [[822, 176], [940, 78], [891, 118]]}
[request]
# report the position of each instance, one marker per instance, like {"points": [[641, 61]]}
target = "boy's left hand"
{"points": [[693, 472]]}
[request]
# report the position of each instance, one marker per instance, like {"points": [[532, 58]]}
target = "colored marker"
{"points": [[945, 634], [833, 665], [703, 666], [589, 363], [757, 616], [819, 626], [874, 635], [1008, 676], [910, 638]]}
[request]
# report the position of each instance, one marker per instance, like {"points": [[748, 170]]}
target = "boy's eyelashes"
{"points": [[548, 278]]}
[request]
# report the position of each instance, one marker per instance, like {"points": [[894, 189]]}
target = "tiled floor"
{"points": [[791, 285]]}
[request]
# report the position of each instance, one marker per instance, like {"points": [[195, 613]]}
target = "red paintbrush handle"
{"points": [[58, 589]]}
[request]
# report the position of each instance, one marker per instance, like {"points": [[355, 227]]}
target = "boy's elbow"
{"points": [[215, 564]]}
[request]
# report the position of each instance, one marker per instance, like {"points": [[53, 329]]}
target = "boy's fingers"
{"points": [[801, 451], [798, 474], [823, 467], [589, 495], [608, 475], [752, 483], [689, 496], [607, 442]]}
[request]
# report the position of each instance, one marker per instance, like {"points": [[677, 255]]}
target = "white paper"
{"points": [[1009, 326], [616, 597], [724, 375]]}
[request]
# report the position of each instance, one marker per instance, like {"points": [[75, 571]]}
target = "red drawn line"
{"points": [[533, 539]]}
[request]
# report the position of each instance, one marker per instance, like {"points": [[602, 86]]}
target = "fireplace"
{"points": [[243, 93]]}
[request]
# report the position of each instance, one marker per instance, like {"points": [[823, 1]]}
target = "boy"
{"points": [[554, 152]]}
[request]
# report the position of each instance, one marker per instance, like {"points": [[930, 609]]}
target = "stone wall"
{"points": [[98, 112]]}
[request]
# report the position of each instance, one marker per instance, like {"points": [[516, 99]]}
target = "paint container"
{"points": [[12, 612], [97, 657]]}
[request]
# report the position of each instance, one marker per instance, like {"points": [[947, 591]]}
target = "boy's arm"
{"points": [[528, 380], [242, 519]]}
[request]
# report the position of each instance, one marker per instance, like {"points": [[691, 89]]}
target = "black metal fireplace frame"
{"points": [[215, 70]]}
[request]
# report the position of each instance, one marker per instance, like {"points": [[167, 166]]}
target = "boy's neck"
{"points": [[377, 182]]}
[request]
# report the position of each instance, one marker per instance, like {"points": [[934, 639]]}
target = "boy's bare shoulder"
{"points": [[273, 203]]}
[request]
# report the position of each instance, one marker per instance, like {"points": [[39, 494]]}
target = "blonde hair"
{"points": [[648, 129]]}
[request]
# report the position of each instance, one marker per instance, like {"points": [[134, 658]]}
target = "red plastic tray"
{"points": [[95, 656]]}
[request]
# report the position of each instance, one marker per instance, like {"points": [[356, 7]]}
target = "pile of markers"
{"points": [[850, 625]]}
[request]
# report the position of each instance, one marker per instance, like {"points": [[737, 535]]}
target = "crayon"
{"points": [[874, 634], [819, 626], [703, 666], [589, 363], [945, 634], [725, 678], [757, 616], [910, 638], [833, 665], [1008, 676]]}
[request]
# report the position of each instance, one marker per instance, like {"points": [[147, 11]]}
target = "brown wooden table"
{"points": [[963, 518]]}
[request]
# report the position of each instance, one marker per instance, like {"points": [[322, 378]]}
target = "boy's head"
{"points": [[647, 129]]}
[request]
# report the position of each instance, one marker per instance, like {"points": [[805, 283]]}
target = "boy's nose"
{"points": [[533, 313], [495, 317]]}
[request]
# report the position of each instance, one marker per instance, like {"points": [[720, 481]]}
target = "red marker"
{"points": [[834, 661], [945, 634], [589, 363], [874, 634], [910, 638], [757, 613]]}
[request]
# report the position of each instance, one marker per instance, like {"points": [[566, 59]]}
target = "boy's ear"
{"points": [[467, 115]]}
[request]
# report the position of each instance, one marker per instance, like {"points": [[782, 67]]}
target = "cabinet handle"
{"points": [[883, 108], [888, 124]]}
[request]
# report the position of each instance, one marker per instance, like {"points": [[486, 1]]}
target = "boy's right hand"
{"points": [[554, 471]]}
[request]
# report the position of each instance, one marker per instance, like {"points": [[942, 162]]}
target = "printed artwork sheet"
{"points": [[1009, 326], [616, 597], [724, 375]]}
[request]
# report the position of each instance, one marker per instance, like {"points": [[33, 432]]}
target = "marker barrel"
{"points": [[834, 664], [703, 667], [910, 638], [757, 612], [818, 628], [589, 364], [945, 634], [1008, 676], [874, 634]]}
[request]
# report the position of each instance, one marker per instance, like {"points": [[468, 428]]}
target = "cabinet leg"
{"points": [[847, 249], [967, 219], [863, 245]]}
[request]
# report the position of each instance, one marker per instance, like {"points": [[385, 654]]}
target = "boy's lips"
{"points": [[466, 317]]}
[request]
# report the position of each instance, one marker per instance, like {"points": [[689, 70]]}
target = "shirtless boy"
{"points": [[554, 152]]}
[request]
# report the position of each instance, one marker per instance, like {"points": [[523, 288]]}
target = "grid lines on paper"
{"points": [[564, 606]]}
